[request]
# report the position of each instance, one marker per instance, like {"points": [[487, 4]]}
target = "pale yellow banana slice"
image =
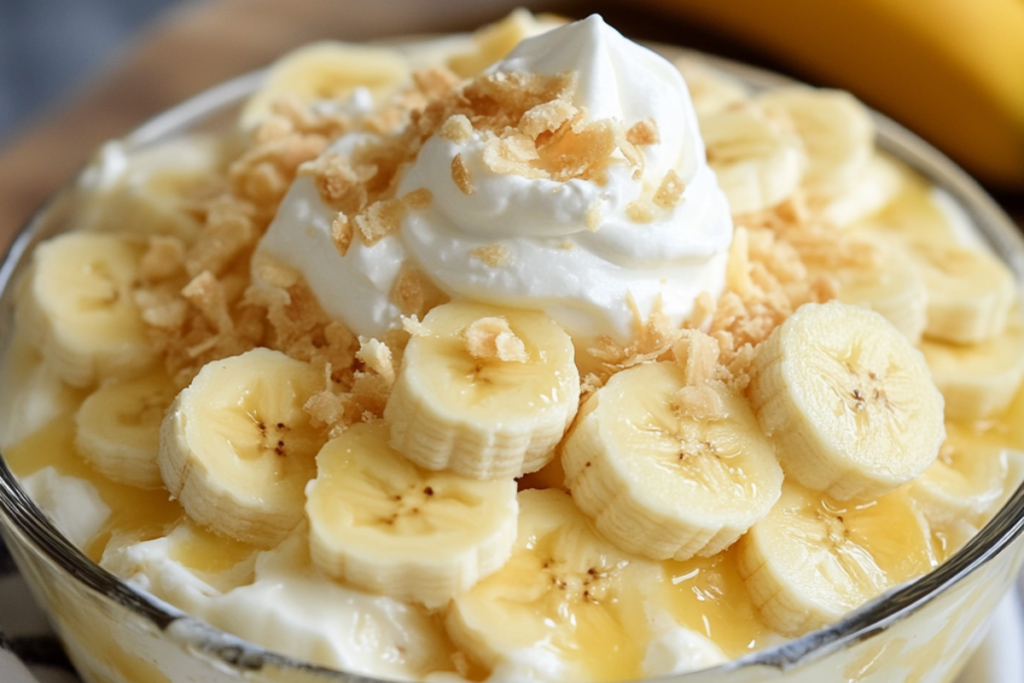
{"points": [[662, 483], [966, 480], [327, 70], [458, 405], [837, 134], [148, 191], [970, 292], [812, 559], [385, 525], [847, 400], [494, 41], [117, 428], [758, 161], [877, 185], [77, 306], [979, 380], [711, 91], [892, 286], [237, 449], [566, 592]]}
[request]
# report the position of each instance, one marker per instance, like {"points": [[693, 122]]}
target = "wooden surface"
{"points": [[201, 43]]}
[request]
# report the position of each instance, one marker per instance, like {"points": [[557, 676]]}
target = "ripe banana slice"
{"points": [[77, 306], [891, 286], [813, 559], [662, 483], [327, 70], [387, 526], [980, 380], [876, 187], [236, 447], [457, 405], [758, 161], [847, 400], [837, 134], [147, 192], [970, 292], [565, 592], [711, 91], [967, 478], [117, 429]]}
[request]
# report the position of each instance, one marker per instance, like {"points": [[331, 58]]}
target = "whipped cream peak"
{"points": [[596, 206]]}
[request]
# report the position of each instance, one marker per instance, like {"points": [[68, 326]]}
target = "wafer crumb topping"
{"points": [[492, 339]]}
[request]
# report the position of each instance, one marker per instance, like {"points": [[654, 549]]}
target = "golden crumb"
{"points": [[460, 175], [418, 199], [566, 245], [491, 338], [546, 117], [457, 129], [640, 211], [513, 152], [376, 356], [415, 328], [380, 219], [269, 270], [698, 354], [643, 133], [594, 217], [670, 191], [435, 81], [339, 184], [414, 293], [342, 233], [582, 151], [494, 255], [163, 259]]}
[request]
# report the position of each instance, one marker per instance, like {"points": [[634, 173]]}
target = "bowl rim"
{"points": [[22, 519]]}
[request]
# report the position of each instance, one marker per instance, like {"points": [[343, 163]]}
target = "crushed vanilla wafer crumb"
{"points": [[494, 255], [643, 133], [491, 338], [460, 175], [670, 191]]}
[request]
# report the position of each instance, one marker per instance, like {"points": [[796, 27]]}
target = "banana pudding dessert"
{"points": [[530, 355]]}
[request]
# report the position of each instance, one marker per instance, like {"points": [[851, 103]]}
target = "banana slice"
{"points": [[77, 306], [662, 483], [966, 479], [458, 405], [385, 525], [565, 592], [327, 70], [813, 559], [847, 400], [147, 192], [836, 131], [758, 161], [236, 447], [711, 91], [494, 41], [891, 286], [970, 292], [980, 380], [876, 187], [117, 429]]}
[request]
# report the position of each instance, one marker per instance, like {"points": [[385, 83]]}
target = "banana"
{"points": [[385, 525], [758, 160], [980, 380], [327, 70], [949, 71], [711, 91], [813, 559], [236, 447], [874, 189], [890, 285], [967, 479], [117, 428], [147, 192], [837, 134], [567, 600], [970, 292], [847, 400], [485, 392], [661, 482], [77, 306], [494, 41]]}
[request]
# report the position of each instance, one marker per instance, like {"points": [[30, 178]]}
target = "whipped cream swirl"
{"points": [[569, 248]]}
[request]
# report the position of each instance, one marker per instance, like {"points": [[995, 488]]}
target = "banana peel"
{"points": [[950, 70]]}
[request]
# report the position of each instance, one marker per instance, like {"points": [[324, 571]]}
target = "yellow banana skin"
{"points": [[951, 70]]}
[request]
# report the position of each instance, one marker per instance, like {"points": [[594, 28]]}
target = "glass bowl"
{"points": [[923, 631]]}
